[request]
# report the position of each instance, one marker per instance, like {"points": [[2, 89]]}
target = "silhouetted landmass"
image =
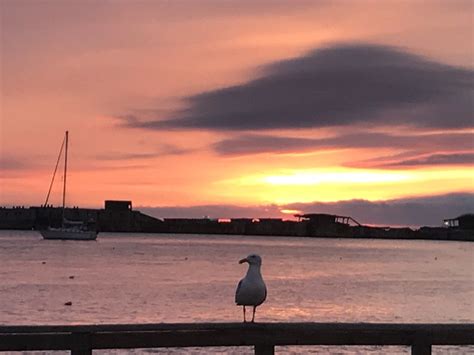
{"points": [[118, 216]]}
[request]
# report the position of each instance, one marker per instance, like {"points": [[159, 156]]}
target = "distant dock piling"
{"points": [[82, 339]]}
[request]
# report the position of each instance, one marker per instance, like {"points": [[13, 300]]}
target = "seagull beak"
{"points": [[244, 260]]}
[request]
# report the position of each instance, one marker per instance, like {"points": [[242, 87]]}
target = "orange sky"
{"points": [[84, 66]]}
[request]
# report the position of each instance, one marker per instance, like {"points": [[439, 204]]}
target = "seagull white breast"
{"points": [[251, 290]]}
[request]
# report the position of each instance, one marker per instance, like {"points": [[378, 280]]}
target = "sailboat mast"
{"points": [[54, 173], [65, 173]]}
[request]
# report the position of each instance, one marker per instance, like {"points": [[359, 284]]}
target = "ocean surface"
{"points": [[150, 278]]}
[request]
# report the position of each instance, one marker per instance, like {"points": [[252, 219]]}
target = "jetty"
{"points": [[264, 337], [119, 216]]}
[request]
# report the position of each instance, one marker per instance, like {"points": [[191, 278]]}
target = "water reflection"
{"points": [[137, 278]]}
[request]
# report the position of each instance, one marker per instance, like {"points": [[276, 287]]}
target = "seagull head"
{"points": [[252, 259]]}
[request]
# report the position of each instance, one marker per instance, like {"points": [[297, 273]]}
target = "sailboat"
{"points": [[69, 230]]}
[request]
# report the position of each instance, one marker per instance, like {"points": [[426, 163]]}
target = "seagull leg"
{"points": [[244, 315], [253, 315]]}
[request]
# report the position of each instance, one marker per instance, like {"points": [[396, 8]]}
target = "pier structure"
{"points": [[118, 216], [465, 221], [264, 337], [327, 219]]}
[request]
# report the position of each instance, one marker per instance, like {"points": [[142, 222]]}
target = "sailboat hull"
{"points": [[70, 230], [67, 234]]}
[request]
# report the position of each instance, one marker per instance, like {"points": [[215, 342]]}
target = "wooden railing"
{"points": [[82, 339]]}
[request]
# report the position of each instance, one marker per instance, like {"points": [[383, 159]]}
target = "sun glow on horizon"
{"points": [[338, 184], [291, 212], [319, 177]]}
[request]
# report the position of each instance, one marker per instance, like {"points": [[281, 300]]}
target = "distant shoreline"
{"points": [[119, 219]]}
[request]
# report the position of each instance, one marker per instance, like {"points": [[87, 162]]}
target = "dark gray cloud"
{"points": [[124, 156], [334, 86], [421, 211], [435, 159], [415, 158], [163, 150], [255, 143], [10, 163], [169, 149]]}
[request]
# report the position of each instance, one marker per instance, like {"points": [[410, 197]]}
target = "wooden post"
{"points": [[81, 344], [421, 349], [81, 351], [264, 350]]}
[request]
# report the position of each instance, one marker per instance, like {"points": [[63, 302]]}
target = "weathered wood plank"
{"points": [[206, 326], [39, 341], [261, 335]]}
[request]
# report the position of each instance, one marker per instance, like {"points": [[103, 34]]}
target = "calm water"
{"points": [[138, 278]]}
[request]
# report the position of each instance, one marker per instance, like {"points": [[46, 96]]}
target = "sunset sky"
{"points": [[242, 108]]}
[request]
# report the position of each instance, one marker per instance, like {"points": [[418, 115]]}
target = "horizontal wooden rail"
{"points": [[81, 339]]}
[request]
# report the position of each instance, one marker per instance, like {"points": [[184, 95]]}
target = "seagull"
{"points": [[251, 290]]}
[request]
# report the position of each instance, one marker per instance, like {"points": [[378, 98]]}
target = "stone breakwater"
{"points": [[128, 220]]}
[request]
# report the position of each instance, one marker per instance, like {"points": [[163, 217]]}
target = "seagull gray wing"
{"points": [[238, 289]]}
